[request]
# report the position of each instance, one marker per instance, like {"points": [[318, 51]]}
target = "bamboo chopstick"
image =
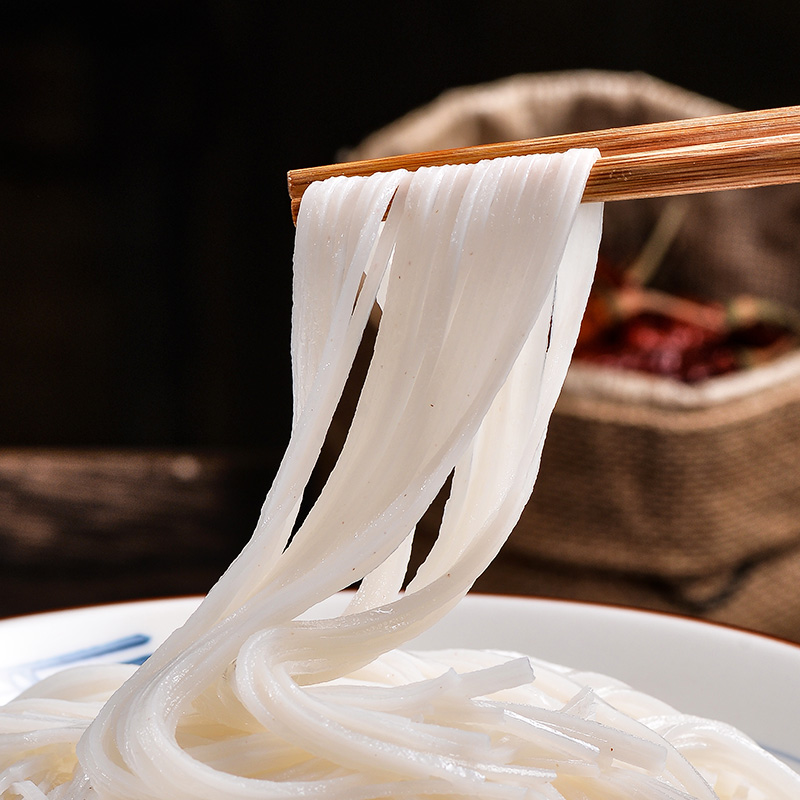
{"points": [[729, 151]]}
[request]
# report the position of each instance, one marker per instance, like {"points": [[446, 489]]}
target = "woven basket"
{"points": [[653, 493]]}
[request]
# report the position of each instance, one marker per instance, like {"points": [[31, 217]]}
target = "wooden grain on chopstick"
{"points": [[740, 164], [741, 150]]}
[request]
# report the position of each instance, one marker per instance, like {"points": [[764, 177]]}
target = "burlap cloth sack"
{"points": [[652, 493]]}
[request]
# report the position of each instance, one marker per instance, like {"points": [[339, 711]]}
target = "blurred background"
{"points": [[145, 236]]}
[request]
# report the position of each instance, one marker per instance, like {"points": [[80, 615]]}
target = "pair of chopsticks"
{"points": [[704, 154]]}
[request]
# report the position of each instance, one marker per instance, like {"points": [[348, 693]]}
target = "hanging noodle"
{"points": [[482, 273]]}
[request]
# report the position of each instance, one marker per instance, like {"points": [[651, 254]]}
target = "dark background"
{"points": [[145, 235]]}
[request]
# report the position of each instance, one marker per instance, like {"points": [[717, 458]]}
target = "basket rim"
{"points": [[653, 391]]}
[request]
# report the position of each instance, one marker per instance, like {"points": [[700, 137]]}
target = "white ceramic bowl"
{"points": [[747, 680]]}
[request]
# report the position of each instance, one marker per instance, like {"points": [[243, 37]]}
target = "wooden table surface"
{"points": [[80, 527]]}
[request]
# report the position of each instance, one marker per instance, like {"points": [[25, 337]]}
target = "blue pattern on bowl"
{"points": [[21, 676]]}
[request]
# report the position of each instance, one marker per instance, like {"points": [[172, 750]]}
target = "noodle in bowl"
{"points": [[482, 273], [713, 676]]}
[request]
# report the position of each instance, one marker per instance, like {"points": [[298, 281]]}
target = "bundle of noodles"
{"points": [[482, 273]]}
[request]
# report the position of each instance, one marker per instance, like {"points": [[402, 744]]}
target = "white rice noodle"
{"points": [[482, 273]]}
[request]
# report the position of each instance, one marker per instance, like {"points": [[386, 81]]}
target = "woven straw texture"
{"points": [[652, 493]]}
